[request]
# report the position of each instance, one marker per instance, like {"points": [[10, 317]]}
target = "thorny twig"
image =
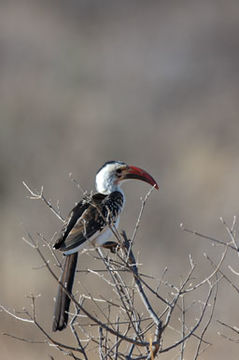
{"points": [[210, 238], [126, 338], [40, 196]]}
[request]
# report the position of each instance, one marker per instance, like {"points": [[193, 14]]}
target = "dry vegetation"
{"points": [[132, 315], [154, 84]]}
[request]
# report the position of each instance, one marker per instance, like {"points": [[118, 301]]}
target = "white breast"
{"points": [[98, 239], [105, 235]]}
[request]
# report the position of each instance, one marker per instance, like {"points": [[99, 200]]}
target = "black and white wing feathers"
{"points": [[89, 217]]}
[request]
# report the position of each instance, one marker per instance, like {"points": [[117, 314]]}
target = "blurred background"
{"points": [[154, 84]]}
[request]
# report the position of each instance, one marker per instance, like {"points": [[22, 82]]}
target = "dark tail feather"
{"points": [[62, 300]]}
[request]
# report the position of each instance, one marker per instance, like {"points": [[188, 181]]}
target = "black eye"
{"points": [[118, 172]]}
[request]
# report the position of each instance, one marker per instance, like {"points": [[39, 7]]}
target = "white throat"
{"points": [[105, 182]]}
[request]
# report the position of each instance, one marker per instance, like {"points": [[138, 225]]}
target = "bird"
{"points": [[91, 223]]}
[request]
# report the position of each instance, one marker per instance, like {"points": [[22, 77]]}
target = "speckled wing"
{"points": [[89, 218]]}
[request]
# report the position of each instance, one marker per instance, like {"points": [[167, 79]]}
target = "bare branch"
{"points": [[114, 327], [143, 203], [214, 240], [233, 328], [40, 196], [198, 352], [179, 342]]}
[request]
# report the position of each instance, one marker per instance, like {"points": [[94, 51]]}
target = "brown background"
{"points": [[152, 83]]}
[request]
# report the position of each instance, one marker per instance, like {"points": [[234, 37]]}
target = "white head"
{"points": [[110, 176]]}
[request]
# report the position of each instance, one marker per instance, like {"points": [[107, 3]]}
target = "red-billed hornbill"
{"points": [[90, 222]]}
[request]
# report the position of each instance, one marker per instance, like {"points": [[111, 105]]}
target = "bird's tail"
{"points": [[62, 303]]}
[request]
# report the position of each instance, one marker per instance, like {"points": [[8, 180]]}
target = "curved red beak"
{"points": [[134, 172]]}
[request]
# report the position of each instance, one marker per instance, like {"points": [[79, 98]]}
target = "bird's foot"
{"points": [[112, 246]]}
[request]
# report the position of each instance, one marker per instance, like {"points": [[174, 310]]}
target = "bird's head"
{"points": [[110, 176]]}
